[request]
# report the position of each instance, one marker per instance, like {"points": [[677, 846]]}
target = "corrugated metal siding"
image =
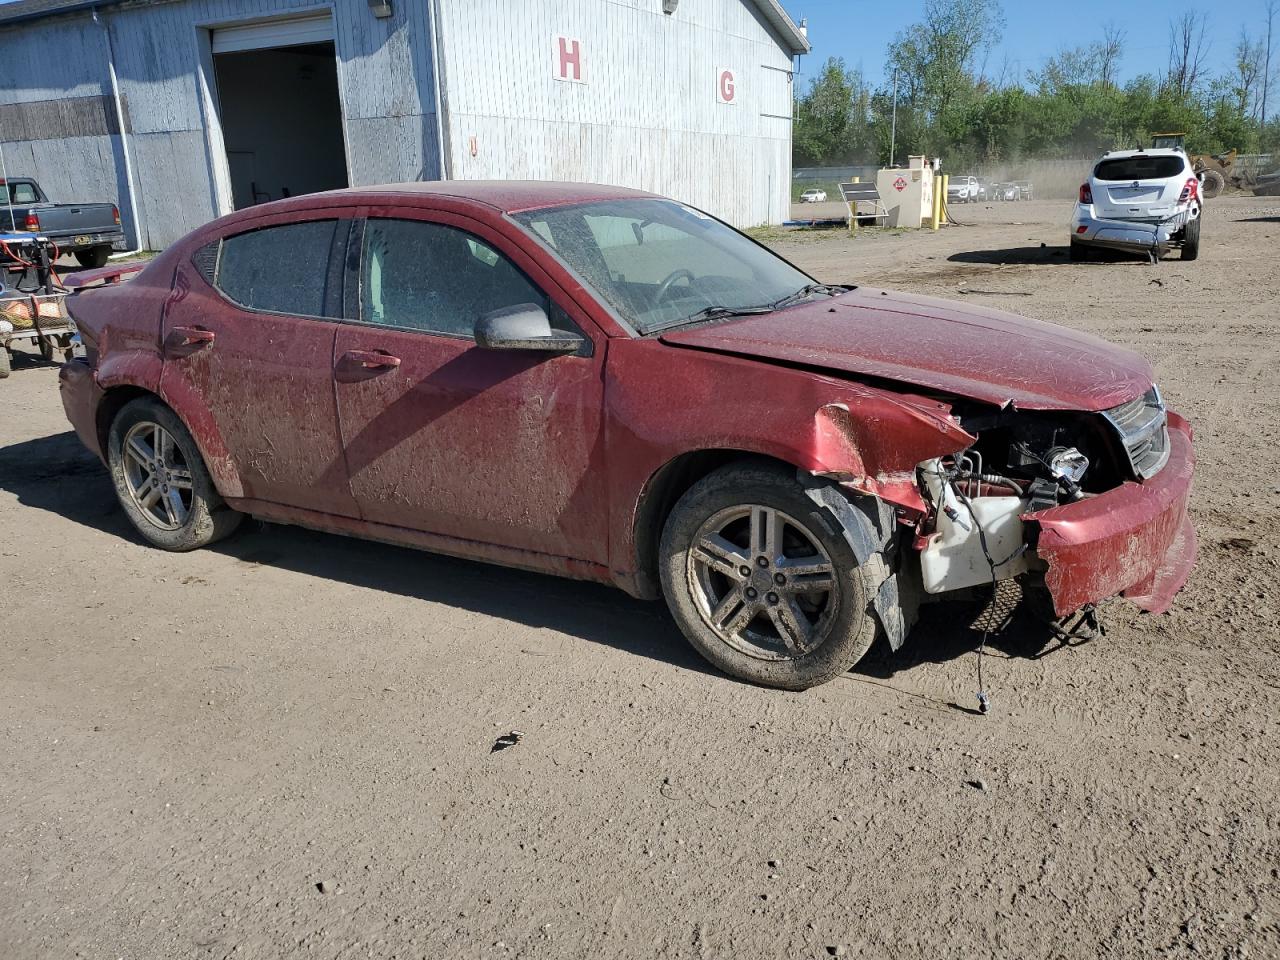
{"points": [[647, 115], [78, 168], [384, 70]]}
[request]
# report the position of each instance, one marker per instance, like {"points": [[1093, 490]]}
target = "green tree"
{"points": [[831, 118], [1071, 106]]}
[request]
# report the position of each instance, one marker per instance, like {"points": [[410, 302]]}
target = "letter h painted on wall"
{"points": [[568, 62]]}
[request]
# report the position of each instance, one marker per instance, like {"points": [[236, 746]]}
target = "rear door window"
{"points": [[434, 278], [1139, 168], [281, 269]]}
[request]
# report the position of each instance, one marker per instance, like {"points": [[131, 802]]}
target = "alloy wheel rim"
{"points": [[763, 582], [157, 475]]}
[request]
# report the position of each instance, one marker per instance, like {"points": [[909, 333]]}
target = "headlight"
{"points": [[1068, 463]]}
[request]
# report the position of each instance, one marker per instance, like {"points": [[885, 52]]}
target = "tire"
{"points": [[204, 517], [93, 257], [1080, 253], [6, 362], [1191, 240], [46, 349], [729, 503], [1213, 184]]}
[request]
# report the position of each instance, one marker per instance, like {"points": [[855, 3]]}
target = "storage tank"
{"points": [[907, 193]]}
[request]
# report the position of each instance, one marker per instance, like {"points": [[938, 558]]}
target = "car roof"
{"points": [[503, 196], [1153, 152], [509, 196]]}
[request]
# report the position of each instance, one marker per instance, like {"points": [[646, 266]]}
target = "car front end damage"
{"points": [[1093, 505]]}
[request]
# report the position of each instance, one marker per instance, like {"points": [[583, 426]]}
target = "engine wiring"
{"points": [[948, 479]]}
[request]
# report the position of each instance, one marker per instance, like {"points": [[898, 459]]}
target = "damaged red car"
{"points": [[604, 384]]}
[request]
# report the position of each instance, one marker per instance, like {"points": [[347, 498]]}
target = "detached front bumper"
{"points": [[80, 398], [1126, 234], [1136, 540]]}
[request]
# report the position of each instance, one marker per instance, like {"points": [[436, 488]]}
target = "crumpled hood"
{"points": [[957, 348]]}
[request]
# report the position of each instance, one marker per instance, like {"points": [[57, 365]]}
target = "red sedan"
{"points": [[605, 384]]}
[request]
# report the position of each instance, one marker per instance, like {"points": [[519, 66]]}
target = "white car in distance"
{"points": [[1143, 201], [813, 195], [962, 190]]}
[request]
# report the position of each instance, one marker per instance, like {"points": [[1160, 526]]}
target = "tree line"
{"points": [[954, 103]]}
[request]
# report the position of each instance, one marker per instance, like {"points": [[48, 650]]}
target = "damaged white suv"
{"points": [[1144, 201]]}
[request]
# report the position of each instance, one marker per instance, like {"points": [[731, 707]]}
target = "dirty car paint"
{"points": [[547, 464], [987, 355]]}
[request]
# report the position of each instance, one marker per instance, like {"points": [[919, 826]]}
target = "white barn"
{"points": [[183, 110]]}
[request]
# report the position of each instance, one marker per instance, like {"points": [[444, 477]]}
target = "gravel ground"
{"points": [[283, 746]]}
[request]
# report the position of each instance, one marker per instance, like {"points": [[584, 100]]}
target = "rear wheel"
{"points": [[1080, 253], [6, 362], [1191, 241], [161, 480], [93, 257], [762, 581]]}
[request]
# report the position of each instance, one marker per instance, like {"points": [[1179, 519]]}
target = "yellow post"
{"points": [[853, 210], [937, 202], [946, 180]]}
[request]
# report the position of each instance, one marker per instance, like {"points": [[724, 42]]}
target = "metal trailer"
{"points": [[33, 312]]}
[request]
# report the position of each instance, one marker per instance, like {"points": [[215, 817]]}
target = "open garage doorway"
{"points": [[280, 110]]}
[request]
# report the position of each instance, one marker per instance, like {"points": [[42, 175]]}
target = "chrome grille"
{"points": [[1140, 424]]}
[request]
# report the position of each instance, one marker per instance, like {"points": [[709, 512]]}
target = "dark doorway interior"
{"points": [[281, 121]]}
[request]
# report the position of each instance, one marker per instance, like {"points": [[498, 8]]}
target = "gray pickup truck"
{"points": [[89, 230]]}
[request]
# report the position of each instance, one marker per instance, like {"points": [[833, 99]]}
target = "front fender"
{"points": [[665, 404]]}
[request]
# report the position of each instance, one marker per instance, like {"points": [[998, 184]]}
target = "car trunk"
{"points": [[1137, 188]]}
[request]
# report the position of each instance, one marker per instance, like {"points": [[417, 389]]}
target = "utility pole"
{"points": [[893, 127], [1266, 69]]}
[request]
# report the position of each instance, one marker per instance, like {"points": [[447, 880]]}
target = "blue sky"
{"points": [[860, 30]]}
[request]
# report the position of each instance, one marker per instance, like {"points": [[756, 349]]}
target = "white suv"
{"points": [[962, 190], [1141, 200]]}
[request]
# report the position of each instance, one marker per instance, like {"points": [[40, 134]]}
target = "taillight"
{"points": [[1086, 193], [1190, 190], [115, 214], [32, 222]]}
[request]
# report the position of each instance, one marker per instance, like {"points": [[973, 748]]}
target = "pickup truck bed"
{"points": [[89, 230]]}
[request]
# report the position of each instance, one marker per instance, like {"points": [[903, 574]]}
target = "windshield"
{"points": [[657, 262]]}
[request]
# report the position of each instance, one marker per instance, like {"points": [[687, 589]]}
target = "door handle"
{"points": [[192, 336], [371, 359]]}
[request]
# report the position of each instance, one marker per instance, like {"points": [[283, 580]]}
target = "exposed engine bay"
{"points": [[1023, 462]]}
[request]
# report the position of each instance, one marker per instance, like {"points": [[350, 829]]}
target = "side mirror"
{"points": [[524, 326]]}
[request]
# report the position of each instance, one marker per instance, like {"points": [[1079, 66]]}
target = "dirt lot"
{"points": [[193, 743]]}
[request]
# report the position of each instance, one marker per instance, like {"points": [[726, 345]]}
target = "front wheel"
{"points": [[762, 581], [161, 480]]}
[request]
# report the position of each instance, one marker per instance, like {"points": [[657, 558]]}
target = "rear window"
{"points": [[20, 192], [1139, 168], [278, 269]]}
